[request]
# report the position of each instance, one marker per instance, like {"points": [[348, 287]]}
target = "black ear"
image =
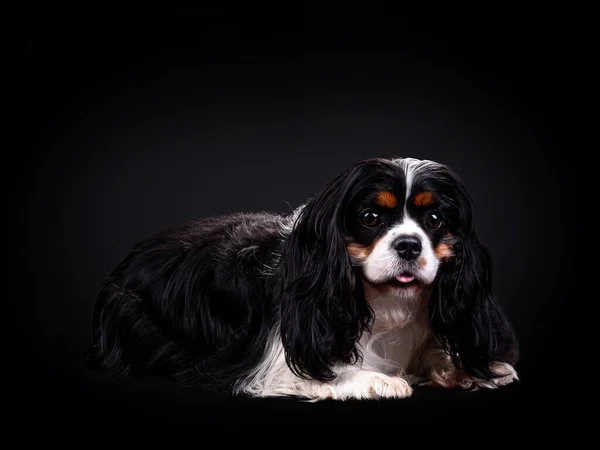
{"points": [[323, 309], [464, 313]]}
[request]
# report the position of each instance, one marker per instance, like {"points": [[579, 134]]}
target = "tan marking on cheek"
{"points": [[355, 249], [361, 251], [443, 251], [422, 262], [386, 199], [424, 199]]}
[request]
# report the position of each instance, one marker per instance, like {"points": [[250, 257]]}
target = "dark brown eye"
{"points": [[370, 219], [433, 220]]}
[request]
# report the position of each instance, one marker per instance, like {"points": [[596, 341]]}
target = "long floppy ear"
{"points": [[323, 309], [464, 313]]}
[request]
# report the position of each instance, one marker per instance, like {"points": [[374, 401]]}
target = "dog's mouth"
{"points": [[404, 280]]}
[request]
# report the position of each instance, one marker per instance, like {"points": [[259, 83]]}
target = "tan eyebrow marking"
{"points": [[386, 199], [424, 199]]}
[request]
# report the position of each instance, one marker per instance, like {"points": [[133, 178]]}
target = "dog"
{"points": [[376, 284]]}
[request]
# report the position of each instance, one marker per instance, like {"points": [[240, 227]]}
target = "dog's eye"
{"points": [[370, 219], [433, 220]]}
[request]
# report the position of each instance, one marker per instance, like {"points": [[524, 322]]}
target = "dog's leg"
{"points": [[436, 369], [350, 384], [354, 384], [365, 384]]}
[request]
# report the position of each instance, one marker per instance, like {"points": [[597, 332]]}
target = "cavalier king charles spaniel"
{"points": [[376, 284]]}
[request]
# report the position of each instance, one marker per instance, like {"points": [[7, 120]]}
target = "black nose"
{"points": [[408, 247]]}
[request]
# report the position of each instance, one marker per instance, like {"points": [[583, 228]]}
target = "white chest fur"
{"points": [[398, 333]]}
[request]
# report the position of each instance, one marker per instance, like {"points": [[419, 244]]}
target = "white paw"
{"points": [[507, 372], [507, 375], [371, 385], [450, 377], [389, 387]]}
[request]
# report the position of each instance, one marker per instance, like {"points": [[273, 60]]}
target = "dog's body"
{"points": [[315, 304]]}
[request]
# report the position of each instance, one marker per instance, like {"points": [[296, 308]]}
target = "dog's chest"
{"points": [[396, 339]]}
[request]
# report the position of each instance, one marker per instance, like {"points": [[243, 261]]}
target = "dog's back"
{"points": [[190, 302]]}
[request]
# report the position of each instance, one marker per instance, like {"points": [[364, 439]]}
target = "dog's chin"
{"points": [[397, 289], [404, 285]]}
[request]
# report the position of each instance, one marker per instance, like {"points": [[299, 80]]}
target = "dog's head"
{"points": [[403, 227]]}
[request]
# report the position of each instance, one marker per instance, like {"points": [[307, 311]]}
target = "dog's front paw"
{"points": [[448, 376], [372, 385], [506, 375], [382, 386]]}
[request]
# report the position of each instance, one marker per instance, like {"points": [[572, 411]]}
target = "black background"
{"points": [[139, 122]]}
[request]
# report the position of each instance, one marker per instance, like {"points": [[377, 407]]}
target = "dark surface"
{"points": [[145, 123]]}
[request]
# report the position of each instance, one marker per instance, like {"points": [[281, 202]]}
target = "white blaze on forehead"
{"points": [[411, 166]]}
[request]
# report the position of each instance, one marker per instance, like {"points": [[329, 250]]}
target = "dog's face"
{"points": [[399, 227]]}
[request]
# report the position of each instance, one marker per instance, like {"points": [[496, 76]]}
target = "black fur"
{"points": [[323, 308], [191, 303], [464, 313]]}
